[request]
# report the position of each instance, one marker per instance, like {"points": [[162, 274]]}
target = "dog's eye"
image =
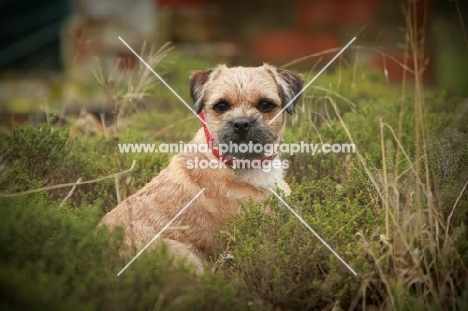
{"points": [[221, 107], [265, 106]]}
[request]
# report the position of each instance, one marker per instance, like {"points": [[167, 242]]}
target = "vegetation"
{"points": [[395, 210]]}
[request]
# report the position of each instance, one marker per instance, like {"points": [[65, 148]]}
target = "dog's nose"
{"points": [[241, 126]]}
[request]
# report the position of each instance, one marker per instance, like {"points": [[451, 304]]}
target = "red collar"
{"points": [[215, 151]]}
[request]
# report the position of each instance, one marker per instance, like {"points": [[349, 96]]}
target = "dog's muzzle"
{"points": [[243, 126]]}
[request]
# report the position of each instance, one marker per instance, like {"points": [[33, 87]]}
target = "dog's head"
{"points": [[240, 102]]}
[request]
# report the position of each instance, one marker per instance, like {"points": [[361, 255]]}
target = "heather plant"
{"points": [[44, 156], [279, 263], [54, 258]]}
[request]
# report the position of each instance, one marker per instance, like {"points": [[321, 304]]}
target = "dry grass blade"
{"points": [[358, 154], [126, 89], [377, 50], [70, 193], [10, 195], [449, 218]]}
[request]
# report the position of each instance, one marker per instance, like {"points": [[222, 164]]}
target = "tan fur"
{"points": [[191, 236], [243, 88]]}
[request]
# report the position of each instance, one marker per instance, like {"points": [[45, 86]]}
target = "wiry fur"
{"points": [[191, 236]]}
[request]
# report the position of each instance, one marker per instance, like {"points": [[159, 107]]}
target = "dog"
{"points": [[237, 105]]}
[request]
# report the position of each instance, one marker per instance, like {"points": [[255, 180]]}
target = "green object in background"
{"points": [[451, 57]]}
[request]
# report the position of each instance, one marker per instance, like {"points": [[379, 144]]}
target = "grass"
{"points": [[396, 210]]}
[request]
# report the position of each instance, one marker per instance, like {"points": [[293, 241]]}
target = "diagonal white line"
{"points": [[313, 231], [161, 79], [310, 82], [160, 232]]}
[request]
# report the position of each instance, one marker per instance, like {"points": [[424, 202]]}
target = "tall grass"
{"points": [[418, 266]]}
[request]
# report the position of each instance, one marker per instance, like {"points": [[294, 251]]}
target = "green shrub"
{"points": [[279, 263], [54, 259], [43, 156]]}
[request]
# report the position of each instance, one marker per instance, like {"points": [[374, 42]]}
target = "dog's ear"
{"points": [[289, 85], [198, 81]]}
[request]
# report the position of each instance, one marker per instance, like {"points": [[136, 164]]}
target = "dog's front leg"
{"points": [[183, 252]]}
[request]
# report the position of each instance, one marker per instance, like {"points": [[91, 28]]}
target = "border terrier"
{"points": [[237, 105]]}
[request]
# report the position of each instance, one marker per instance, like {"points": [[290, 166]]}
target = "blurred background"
{"points": [[51, 49]]}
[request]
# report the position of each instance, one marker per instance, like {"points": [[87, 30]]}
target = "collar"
{"points": [[215, 151]]}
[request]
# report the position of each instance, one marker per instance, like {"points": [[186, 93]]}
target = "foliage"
{"points": [[54, 259], [282, 265], [46, 156]]}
